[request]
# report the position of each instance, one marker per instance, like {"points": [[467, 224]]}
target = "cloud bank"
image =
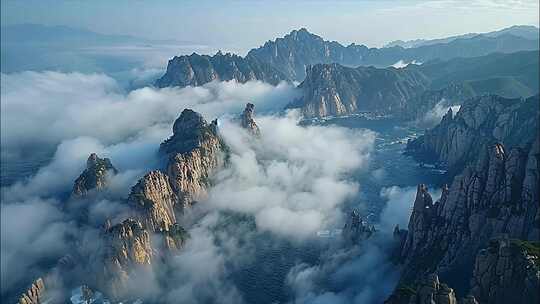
{"points": [[291, 182]]}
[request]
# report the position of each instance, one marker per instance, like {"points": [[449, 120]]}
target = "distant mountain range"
{"points": [[523, 31], [334, 90], [287, 58]]}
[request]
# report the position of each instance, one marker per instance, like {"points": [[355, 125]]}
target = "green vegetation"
{"points": [[532, 248]]}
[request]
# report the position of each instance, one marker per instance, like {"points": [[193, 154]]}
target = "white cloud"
{"points": [[292, 179]]}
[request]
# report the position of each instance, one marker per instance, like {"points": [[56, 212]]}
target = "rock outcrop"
{"points": [[153, 200], [357, 229], [335, 90], [196, 70], [36, 294], [428, 290], [508, 271], [128, 254], [247, 122], [94, 177], [480, 122], [499, 194], [193, 153]]}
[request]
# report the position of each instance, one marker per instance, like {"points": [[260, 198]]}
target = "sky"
{"points": [[246, 24]]}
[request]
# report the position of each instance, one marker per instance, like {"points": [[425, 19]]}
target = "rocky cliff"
{"points": [[334, 90], [480, 122], [196, 70], [507, 271], [495, 195], [286, 58], [36, 294], [153, 200], [247, 122], [94, 177], [193, 153], [128, 254]]}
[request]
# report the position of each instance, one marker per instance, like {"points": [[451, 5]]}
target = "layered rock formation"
{"points": [[334, 90], [480, 122], [247, 122], [193, 153], [94, 177], [196, 70]]}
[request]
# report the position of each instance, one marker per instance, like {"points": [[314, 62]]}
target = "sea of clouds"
{"points": [[291, 182]]}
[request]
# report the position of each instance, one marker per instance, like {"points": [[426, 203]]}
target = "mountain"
{"points": [[94, 177], [412, 91], [196, 70], [486, 74], [481, 235], [524, 31], [288, 57], [480, 122], [334, 90]]}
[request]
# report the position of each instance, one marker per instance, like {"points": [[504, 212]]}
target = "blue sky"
{"points": [[245, 24]]}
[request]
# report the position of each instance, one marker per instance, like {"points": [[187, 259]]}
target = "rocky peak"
{"points": [[95, 176], [479, 123], [247, 122], [497, 194], [36, 294], [153, 199], [128, 253], [190, 131], [336, 90], [356, 228], [193, 153], [508, 271]]}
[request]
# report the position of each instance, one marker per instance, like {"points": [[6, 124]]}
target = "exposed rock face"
{"points": [[286, 58], [194, 153], [335, 90], [36, 294], [95, 176], [300, 48], [154, 200], [357, 229], [128, 253], [247, 122], [429, 290], [196, 70], [480, 122], [498, 195], [507, 272]]}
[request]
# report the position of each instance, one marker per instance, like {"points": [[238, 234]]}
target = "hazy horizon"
{"points": [[244, 25]]}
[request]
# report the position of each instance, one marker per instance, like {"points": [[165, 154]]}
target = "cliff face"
{"points": [[286, 58], [153, 200], [128, 254], [193, 154], [334, 90], [36, 294], [94, 176], [196, 70], [508, 271], [499, 195], [247, 122], [479, 123]]}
